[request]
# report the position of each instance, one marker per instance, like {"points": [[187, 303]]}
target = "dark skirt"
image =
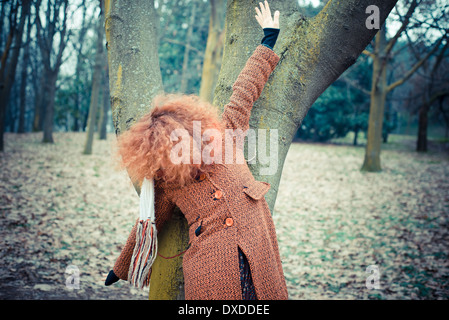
{"points": [[246, 281]]}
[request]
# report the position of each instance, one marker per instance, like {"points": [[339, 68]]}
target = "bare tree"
{"points": [[435, 89], [214, 50], [23, 79], [380, 88], [10, 57], [52, 54], [96, 85], [185, 62]]}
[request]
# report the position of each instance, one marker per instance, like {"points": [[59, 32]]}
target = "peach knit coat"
{"points": [[229, 205]]}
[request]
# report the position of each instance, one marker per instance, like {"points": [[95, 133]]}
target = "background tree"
{"points": [[174, 24], [96, 84], [185, 62], [434, 89], [80, 47], [52, 55], [214, 50], [24, 76], [381, 56], [10, 56], [105, 107]]}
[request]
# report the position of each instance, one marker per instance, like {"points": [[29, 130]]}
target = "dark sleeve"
{"points": [[270, 37], [112, 278]]}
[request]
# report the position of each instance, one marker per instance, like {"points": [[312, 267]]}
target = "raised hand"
{"points": [[264, 16]]}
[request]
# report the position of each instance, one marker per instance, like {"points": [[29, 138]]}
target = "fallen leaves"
{"points": [[333, 221], [59, 208]]}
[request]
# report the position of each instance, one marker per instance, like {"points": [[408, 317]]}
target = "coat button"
{"points": [[218, 194], [229, 222], [202, 176]]}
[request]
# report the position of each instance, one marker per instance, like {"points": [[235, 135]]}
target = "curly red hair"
{"points": [[145, 148]]}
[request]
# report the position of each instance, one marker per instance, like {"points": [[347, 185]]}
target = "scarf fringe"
{"points": [[144, 254]]}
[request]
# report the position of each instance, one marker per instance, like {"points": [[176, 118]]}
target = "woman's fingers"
{"points": [[260, 21], [267, 9], [262, 8], [259, 14], [276, 18], [259, 17]]}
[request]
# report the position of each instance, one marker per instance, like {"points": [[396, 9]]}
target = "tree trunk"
{"points": [[54, 24], [39, 103], [214, 51], [356, 135], [105, 105], [313, 54], [421, 145], [49, 107], [185, 63], [96, 83], [7, 78], [79, 62], [24, 76], [132, 40], [134, 73], [377, 106]]}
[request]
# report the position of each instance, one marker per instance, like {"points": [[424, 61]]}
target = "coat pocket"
{"points": [[256, 189]]}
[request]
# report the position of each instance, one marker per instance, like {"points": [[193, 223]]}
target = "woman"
{"points": [[233, 251]]}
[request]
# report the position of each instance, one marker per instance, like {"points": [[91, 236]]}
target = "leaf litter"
{"points": [[60, 208]]}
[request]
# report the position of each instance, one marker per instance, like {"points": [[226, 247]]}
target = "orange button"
{"points": [[218, 194], [229, 222], [202, 176]]}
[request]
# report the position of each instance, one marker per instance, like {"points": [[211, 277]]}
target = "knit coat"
{"points": [[229, 205]]}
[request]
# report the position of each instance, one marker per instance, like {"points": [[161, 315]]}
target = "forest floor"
{"points": [[62, 211]]}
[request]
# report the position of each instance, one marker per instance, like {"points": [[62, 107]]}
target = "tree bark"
{"points": [[134, 73], [105, 105]]}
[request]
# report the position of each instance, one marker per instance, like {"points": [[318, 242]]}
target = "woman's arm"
{"points": [[251, 80]]}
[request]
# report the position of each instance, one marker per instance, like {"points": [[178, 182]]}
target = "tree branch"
{"points": [[415, 67], [437, 95], [368, 53], [185, 45], [355, 85], [405, 22]]}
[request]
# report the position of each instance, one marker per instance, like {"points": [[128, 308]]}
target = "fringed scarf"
{"points": [[145, 250]]}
